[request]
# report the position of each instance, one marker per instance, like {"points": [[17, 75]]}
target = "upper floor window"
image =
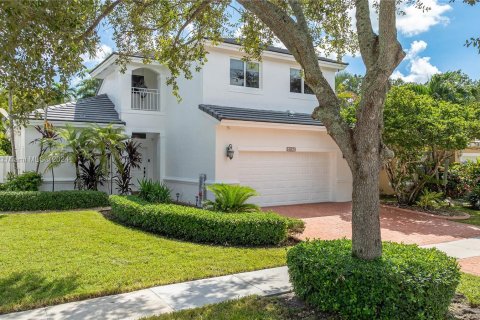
{"points": [[244, 74], [297, 83]]}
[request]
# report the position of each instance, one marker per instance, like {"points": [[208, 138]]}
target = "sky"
{"points": [[433, 40]]}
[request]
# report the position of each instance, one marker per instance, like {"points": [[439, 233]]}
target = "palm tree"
{"points": [[109, 142], [87, 88], [72, 145]]}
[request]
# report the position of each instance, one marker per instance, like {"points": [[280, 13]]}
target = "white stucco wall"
{"points": [[190, 140], [274, 92]]}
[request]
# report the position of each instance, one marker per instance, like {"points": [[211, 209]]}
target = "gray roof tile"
{"points": [[245, 114], [98, 109]]}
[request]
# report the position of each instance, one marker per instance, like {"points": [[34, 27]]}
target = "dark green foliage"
{"points": [[5, 146], [27, 181], [462, 178], [154, 191], [87, 88], [474, 198], [198, 225], [129, 158], [431, 200], [406, 283], [231, 198], [58, 200]]}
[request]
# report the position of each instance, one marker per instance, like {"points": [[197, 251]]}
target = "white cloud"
{"points": [[421, 70], [415, 48], [102, 52], [416, 21]]}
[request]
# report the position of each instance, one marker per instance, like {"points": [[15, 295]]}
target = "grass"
{"points": [[253, 307], [470, 288], [474, 215], [52, 258]]}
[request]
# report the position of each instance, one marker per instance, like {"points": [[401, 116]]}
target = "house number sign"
{"points": [[291, 149]]}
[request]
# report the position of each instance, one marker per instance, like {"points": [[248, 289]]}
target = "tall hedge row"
{"points": [[46, 200], [197, 225]]}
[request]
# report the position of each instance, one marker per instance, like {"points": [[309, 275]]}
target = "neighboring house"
{"points": [[261, 110], [472, 152]]}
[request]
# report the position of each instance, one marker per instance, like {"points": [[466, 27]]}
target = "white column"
{"points": [[125, 89], [161, 152]]}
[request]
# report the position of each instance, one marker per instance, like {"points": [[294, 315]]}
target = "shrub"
{"points": [[3, 153], [431, 200], [231, 198], [462, 178], [408, 282], [154, 191], [27, 181], [198, 225], [474, 198], [45, 200]]}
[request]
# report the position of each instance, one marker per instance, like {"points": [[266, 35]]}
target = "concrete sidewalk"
{"points": [[186, 295], [163, 299]]}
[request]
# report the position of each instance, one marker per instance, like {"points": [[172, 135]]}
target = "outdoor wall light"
{"points": [[230, 152]]}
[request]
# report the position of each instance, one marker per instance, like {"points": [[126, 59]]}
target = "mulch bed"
{"points": [[459, 309], [443, 213]]}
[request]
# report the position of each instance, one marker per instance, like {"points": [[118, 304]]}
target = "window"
{"points": [[244, 74], [297, 84]]}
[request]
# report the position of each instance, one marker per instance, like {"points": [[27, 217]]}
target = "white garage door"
{"points": [[286, 177]]}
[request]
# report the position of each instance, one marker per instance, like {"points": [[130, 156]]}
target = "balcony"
{"points": [[145, 99]]}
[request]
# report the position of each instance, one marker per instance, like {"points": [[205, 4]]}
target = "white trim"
{"points": [[192, 181], [268, 125], [61, 123]]}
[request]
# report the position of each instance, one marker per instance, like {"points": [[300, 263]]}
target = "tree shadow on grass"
{"points": [[29, 289]]}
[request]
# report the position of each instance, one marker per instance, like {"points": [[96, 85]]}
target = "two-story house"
{"points": [[238, 122]]}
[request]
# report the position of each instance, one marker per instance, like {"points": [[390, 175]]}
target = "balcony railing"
{"points": [[145, 99]]}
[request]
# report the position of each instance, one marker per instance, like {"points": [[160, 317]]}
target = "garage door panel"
{"points": [[286, 177]]}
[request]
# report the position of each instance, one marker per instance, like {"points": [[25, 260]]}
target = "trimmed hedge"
{"points": [[408, 282], [57, 200], [197, 225]]}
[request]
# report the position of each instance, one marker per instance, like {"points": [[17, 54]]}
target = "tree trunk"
{"points": [[12, 133], [366, 237]]}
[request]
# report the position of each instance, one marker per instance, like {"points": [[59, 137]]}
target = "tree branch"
{"points": [[194, 14], [390, 51], [367, 39], [298, 12], [296, 37], [109, 8]]}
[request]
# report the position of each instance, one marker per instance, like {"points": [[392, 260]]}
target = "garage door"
{"points": [[286, 177]]}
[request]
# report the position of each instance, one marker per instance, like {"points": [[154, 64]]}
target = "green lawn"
{"points": [[470, 288], [474, 215], [249, 308], [56, 257]]}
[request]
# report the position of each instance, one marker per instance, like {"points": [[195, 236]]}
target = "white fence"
{"points": [[6, 166], [145, 99]]}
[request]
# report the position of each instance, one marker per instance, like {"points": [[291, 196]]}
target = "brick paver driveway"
{"points": [[333, 220]]}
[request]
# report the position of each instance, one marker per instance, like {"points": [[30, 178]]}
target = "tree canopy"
{"points": [[424, 132]]}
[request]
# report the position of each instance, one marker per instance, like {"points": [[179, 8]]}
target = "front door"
{"points": [[145, 169]]}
